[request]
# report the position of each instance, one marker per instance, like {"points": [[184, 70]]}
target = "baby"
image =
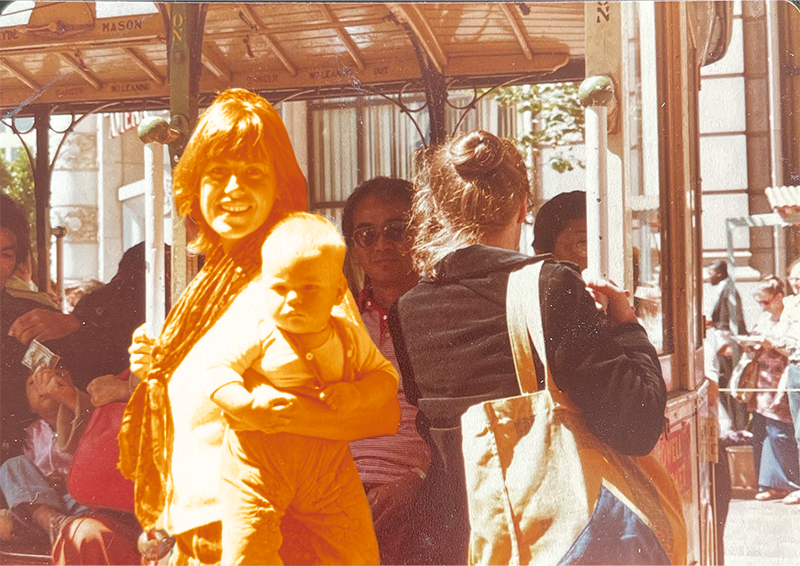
{"points": [[304, 348]]}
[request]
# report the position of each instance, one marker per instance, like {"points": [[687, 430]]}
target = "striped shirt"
{"points": [[387, 458]]}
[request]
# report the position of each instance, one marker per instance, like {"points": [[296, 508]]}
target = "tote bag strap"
{"points": [[524, 317]]}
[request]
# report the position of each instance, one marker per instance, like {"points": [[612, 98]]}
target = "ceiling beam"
{"points": [[214, 61], [268, 39], [343, 36], [145, 64], [19, 74], [519, 33], [410, 14], [82, 70]]}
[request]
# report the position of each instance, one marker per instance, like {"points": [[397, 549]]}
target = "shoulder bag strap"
{"points": [[524, 315], [523, 288]]}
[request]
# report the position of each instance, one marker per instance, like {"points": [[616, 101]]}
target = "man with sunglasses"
{"points": [[392, 468]]}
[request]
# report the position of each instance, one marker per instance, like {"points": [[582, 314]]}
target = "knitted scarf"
{"points": [[145, 437]]}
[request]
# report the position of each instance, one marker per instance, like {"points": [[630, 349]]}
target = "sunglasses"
{"points": [[393, 230]]}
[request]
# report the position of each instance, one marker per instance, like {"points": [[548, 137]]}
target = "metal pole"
{"points": [[155, 283], [597, 189], [59, 232], [41, 181], [775, 139], [597, 94]]}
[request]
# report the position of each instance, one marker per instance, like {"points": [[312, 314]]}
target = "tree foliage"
{"points": [[557, 115], [16, 180]]}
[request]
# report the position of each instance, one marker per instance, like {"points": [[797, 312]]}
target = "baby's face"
{"points": [[303, 293]]}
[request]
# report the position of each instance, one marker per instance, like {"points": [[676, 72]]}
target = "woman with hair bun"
{"points": [[451, 336]]}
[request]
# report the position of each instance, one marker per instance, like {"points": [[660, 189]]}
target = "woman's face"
{"points": [[236, 196], [770, 303], [794, 279]]}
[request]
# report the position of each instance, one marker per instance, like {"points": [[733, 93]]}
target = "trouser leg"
{"points": [[252, 499], [337, 511]]}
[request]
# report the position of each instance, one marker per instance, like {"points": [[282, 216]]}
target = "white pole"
{"points": [[597, 190], [776, 149], [155, 283], [60, 232]]}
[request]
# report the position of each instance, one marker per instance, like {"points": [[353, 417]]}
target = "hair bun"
{"points": [[477, 153]]}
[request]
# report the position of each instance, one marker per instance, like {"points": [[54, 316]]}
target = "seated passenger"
{"points": [[374, 224], [560, 228], [94, 339], [302, 348], [34, 485]]}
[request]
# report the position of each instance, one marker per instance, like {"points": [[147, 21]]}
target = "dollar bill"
{"points": [[39, 355]]}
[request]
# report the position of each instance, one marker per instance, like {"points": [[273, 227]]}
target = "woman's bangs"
{"points": [[239, 139]]}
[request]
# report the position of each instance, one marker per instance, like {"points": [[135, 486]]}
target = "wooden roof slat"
{"points": [[145, 64], [19, 74], [86, 74], [343, 37], [215, 62], [296, 48], [516, 27], [271, 42], [421, 29]]}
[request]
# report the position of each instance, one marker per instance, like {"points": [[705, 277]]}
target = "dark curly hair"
{"points": [[12, 218]]}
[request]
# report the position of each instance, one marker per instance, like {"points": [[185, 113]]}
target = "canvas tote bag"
{"points": [[542, 488]]}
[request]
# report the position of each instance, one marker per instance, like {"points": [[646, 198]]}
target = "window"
{"points": [[355, 139], [643, 194]]}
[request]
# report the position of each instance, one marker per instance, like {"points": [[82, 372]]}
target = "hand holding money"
{"points": [[38, 355]]}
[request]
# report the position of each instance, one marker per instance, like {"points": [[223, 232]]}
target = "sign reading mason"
{"points": [[123, 24]]}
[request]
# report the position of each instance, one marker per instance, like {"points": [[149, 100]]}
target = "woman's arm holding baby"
{"points": [[310, 417], [256, 410]]}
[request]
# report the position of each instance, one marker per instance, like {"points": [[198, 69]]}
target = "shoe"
{"points": [[769, 494], [57, 525], [6, 525], [793, 498]]}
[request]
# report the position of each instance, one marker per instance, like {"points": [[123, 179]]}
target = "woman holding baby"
{"points": [[237, 179]]}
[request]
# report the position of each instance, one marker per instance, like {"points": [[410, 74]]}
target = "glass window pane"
{"points": [[643, 171]]}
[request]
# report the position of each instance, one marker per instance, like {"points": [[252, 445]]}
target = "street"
{"points": [[762, 533]]}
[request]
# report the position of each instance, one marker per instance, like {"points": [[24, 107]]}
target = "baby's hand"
{"points": [[342, 396]]}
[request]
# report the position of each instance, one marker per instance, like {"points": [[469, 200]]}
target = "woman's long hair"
{"points": [[468, 187], [238, 125]]}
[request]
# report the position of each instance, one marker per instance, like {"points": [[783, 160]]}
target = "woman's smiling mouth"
{"points": [[234, 207]]}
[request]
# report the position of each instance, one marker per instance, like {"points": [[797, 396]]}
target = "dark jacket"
{"points": [[15, 414], [451, 339], [721, 315]]}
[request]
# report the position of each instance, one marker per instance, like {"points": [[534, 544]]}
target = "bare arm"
{"points": [[309, 417], [258, 410]]}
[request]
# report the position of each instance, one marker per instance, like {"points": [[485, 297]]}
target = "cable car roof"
{"points": [[75, 56]]}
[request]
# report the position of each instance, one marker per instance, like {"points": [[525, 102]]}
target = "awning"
{"points": [[71, 58]]}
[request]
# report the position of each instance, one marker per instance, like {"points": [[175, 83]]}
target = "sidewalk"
{"points": [[762, 533]]}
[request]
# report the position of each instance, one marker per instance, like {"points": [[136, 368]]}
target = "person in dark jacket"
{"points": [[93, 340], [451, 336]]}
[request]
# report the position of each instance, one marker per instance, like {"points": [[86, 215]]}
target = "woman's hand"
{"points": [[607, 296], [108, 389], [273, 408], [141, 351]]}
